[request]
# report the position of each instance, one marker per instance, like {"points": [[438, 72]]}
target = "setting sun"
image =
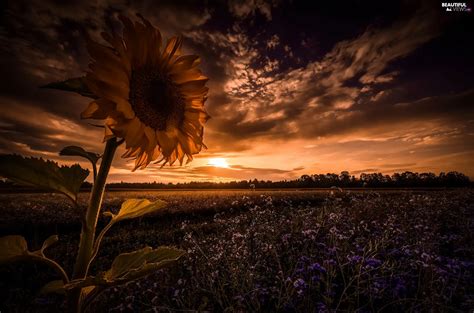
{"points": [[218, 162]]}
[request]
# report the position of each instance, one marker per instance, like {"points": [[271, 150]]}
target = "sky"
{"points": [[296, 87]]}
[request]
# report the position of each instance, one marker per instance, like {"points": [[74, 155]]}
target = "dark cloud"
{"points": [[367, 170], [320, 89], [289, 82], [397, 165], [318, 98], [454, 110], [246, 8], [36, 132]]}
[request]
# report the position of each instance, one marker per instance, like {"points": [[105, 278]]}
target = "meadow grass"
{"points": [[266, 251]]}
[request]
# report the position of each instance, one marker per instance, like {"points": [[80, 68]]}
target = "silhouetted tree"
{"points": [[344, 179]]}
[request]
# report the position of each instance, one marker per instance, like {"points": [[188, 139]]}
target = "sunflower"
{"points": [[148, 94]]}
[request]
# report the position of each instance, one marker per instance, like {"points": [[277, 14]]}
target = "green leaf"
{"points": [[130, 266], [78, 151], [76, 85], [133, 208], [125, 263], [43, 174], [130, 208], [12, 247], [54, 286]]}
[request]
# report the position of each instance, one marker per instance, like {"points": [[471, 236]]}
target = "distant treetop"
{"points": [[343, 180]]}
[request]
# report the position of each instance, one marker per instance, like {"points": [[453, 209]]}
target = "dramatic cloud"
{"points": [[245, 8], [265, 102], [287, 97]]}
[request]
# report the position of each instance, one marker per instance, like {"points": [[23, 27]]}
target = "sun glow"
{"points": [[218, 162]]}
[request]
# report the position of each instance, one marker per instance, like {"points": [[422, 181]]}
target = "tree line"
{"points": [[342, 180]]}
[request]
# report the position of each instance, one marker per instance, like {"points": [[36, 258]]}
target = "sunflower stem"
{"points": [[86, 244], [94, 170]]}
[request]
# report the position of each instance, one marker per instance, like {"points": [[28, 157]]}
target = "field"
{"points": [[265, 251]]}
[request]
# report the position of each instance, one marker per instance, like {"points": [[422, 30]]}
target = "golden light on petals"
{"points": [[148, 93]]}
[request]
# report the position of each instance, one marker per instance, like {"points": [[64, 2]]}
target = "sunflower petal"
{"points": [[98, 109], [131, 152], [185, 62], [110, 72], [151, 137], [172, 50], [140, 161], [104, 89], [187, 76], [173, 157], [129, 37], [180, 154], [166, 143], [118, 44], [192, 85], [100, 52], [124, 107], [153, 40], [188, 147], [155, 47], [196, 116], [197, 104], [194, 93], [134, 132], [108, 133], [141, 51]]}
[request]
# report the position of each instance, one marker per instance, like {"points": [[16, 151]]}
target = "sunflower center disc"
{"points": [[155, 99]]}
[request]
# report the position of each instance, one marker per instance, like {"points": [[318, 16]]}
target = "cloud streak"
{"points": [[280, 107]]}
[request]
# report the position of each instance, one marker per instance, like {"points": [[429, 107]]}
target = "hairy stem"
{"points": [[99, 240], [94, 170], [89, 225]]}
